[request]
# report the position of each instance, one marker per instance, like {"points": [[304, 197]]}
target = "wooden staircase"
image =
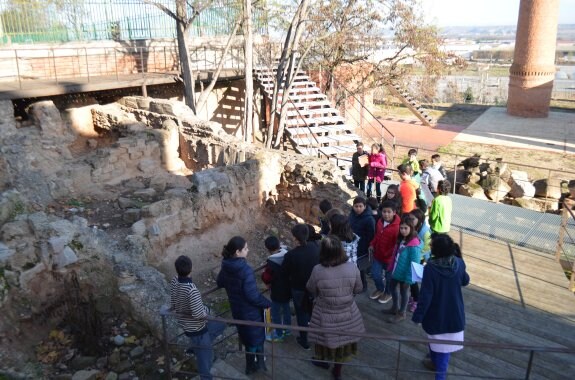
{"points": [[405, 97], [313, 126]]}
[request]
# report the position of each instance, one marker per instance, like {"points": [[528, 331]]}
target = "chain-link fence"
{"points": [[50, 21]]}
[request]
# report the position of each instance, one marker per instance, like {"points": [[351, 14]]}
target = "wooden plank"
{"points": [[321, 120], [311, 112]]}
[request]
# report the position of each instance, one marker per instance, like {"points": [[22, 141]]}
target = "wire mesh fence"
{"points": [[50, 21]]}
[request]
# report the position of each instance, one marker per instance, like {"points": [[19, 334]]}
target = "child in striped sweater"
{"points": [[186, 302]]}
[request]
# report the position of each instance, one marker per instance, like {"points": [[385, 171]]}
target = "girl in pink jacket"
{"points": [[376, 173]]}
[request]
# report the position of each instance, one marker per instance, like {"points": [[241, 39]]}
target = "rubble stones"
{"points": [[65, 258], [131, 215], [472, 190], [145, 194], [520, 185], [548, 188], [86, 375]]}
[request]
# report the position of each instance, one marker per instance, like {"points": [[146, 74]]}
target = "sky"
{"points": [[484, 12]]}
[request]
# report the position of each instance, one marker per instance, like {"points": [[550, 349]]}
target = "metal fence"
{"points": [[565, 252], [47, 21]]}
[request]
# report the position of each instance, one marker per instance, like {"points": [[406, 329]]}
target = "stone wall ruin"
{"points": [[170, 183]]}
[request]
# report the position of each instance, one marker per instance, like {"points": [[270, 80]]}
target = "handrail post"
{"points": [[54, 64], [87, 64], [455, 172], [397, 360], [167, 359], [529, 365], [18, 69], [547, 189], [562, 228]]}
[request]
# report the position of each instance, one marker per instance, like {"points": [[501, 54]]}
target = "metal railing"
{"points": [[395, 369], [565, 252], [56, 65], [451, 163]]}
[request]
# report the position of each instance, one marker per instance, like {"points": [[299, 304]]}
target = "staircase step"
{"points": [[315, 121], [311, 112], [297, 90], [318, 141], [310, 105], [326, 129], [300, 97], [339, 149]]}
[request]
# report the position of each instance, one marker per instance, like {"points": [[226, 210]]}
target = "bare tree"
{"points": [[249, 68]]}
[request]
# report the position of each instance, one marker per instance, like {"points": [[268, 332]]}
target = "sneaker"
{"points": [[384, 298], [399, 317], [303, 344], [412, 307], [375, 295], [275, 338], [286, 333]]}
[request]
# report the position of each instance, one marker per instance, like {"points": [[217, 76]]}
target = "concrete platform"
{"points": [[555, 133]]}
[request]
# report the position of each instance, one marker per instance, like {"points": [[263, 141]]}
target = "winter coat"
{"points": [[273, 276], [385, 240], [359, 173], [377, 165], [424, 235], [246, 302], [407, 189], [403, 259], [333, 289], [430, 178], [414, 165], [298, 264], [440, 307], [363, 226], [350, 248]]}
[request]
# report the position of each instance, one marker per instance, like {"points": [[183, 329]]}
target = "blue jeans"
{"points": [[301, 316], [377, 268], [281, 315], [441, 361], [202, 345]]}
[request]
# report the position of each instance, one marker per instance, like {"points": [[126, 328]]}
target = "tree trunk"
{"points": [[184, 55], [249, 70]]}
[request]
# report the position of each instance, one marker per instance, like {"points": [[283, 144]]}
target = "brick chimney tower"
{"points": [[533, 69]]}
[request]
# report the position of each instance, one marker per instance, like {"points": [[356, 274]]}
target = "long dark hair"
{"points": [[237, 243], [339, 226], [407, 220], [442, 245], [331, 253], [396, 199]]}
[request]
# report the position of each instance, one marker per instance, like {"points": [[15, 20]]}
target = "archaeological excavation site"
{"points": [[96, 203]]}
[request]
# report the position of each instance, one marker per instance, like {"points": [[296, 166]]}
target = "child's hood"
{"points": [[278, 257], [354, 241], [413, 242]]}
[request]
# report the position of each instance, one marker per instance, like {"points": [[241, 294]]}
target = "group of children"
{"points": [[382, 236]]}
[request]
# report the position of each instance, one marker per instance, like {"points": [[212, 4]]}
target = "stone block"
{"points": [[139, 228], [91, 374], [145, 194], [148, 165], [126, 202], [65, 258], [5, 254], [158, 183], [46, 116], [548, 188], [520, 185], [132, 215], [472, 190], [495, 188], [27, 276], [536, 204], [14, 230], [57, 243]]}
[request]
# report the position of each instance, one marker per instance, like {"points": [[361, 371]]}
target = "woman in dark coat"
{"points": [[246, 302]]}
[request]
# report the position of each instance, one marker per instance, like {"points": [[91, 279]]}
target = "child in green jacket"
{"points": [[441, 208]]}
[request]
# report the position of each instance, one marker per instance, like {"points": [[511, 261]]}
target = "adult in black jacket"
{"points": [[363, 225], [246, 302], [297, 267]]}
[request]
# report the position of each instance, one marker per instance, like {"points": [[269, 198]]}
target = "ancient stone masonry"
{"points": [[179, 185]]}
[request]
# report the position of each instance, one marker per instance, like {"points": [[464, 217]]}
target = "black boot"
{"points": [[251, 365], [261, 359]]}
